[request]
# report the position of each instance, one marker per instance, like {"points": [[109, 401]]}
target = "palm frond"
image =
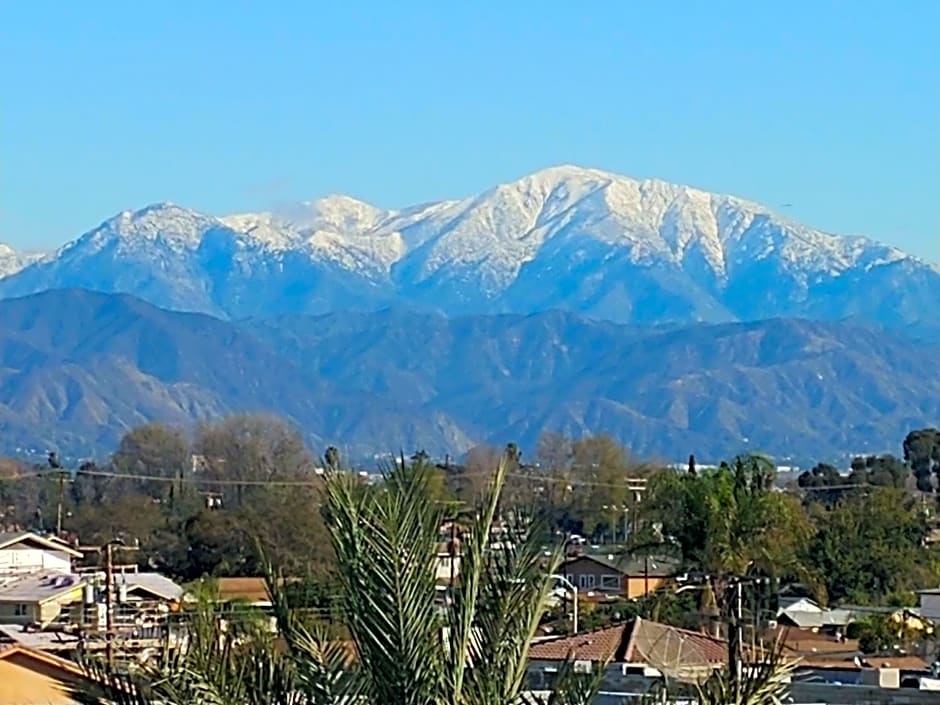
{"points": [[764, 681], [569, 687], [324, 673], [385, 541]]}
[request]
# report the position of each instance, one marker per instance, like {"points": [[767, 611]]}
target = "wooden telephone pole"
{"points": [[109, 598], [736, 635]]}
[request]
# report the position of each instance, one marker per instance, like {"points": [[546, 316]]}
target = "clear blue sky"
{"points": [[833, 107]]}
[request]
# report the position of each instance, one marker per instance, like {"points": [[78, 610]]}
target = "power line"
{"points": [[634, 482], [628, 482]]}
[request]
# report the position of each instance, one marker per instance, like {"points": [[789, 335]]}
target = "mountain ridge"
{"points": [[77, 368], [584, 240]]}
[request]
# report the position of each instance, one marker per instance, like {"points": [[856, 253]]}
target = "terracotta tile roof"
{"points": [[597, 645], [661, 644], [639, 641]]}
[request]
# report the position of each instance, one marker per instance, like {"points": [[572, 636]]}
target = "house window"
{"points": [[585, 582], [21, 610], [610, 582]]}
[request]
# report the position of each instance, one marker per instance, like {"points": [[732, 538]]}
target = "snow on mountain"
{"points": [[565, 237], [12, 261]]}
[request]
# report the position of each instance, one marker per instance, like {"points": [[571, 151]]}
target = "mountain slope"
{"points": [[12, 261], [581, 240], [77, 368]]}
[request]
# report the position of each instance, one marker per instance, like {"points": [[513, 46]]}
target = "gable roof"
{"points": [[70, 667], [802, 619], [153, 583], [802, 604], [596, 645], [637, 641], [627, 565], [39, 587], [11, 538]]}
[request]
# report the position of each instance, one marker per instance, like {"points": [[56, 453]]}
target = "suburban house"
{"points": [[147, 587], [39, 597], [641, 653], [639, 650], [30, 677], [24, 552], [930, 604], [609, 575], [805, 613]]}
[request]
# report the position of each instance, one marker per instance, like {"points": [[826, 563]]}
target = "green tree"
{"points": [[818, 481], [602, 499], [730, 521], [152, 450], [922, 451], [870, 546], [879, 470]]}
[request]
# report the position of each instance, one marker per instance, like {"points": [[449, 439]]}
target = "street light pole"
{"points": [[574, 591]]}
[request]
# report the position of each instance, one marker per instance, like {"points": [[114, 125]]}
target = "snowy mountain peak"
{"points": [[165, 221], [12, 261], [586, 240], [336, 213]]}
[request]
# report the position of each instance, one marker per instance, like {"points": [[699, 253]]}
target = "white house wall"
{"points": [[17, 559]]}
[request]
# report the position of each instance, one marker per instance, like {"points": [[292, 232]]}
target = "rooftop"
{"points": [[152, 583], [638, 641], [657, 566], [253, 590], [11, 538], [39, 586]]}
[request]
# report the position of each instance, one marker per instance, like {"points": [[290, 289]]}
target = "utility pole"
{"points": [[53, 462], [108, 601], [735, 634], [58, 514]]}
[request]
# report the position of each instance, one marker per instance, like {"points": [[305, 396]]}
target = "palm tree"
{"points": [[386, 540]]}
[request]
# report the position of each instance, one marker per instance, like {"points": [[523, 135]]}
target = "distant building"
{"points": [[39, 598], [24, 552], [610, 575]]}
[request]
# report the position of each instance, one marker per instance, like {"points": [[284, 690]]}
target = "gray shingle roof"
{"points": [[154, 583], [632, 565], [38, 587]]}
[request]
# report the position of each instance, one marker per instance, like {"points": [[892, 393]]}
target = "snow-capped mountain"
{"points": [[571, 238], [12, 261]]}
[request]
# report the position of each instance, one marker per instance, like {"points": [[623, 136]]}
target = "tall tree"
{"points": [[250, 453], [879, 470], [922, 451], [823, 484], [152, 450], [601, 467], [730, 521]]}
